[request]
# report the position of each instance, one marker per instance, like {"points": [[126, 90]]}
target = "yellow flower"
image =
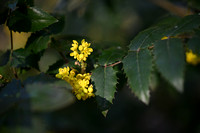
{"points": [[164, 38], [80, 83], [81, 52], [192, 58]]}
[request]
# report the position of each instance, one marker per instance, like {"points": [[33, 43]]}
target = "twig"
{"points": [[151, 47], [177, 10], [114, 64]]}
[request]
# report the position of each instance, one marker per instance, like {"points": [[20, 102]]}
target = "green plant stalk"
{"points": [[11, 53], [83, 67]]}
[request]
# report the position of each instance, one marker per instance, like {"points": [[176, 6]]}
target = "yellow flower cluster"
{"points": [[192, 58], [79, 82], [81, 52]]}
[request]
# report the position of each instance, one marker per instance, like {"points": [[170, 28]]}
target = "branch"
{"points": [[177, 10], [114, 64]]}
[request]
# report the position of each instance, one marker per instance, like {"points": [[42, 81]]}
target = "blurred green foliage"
{"points": [[146, 87]]}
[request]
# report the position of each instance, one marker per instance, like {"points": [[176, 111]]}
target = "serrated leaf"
{"points": [[105, 81], [193, 44], [146, 38], [137, 66], [48, 94], [110, 56], [187, 24], [37, 43], [169, 58], [29, 20]]}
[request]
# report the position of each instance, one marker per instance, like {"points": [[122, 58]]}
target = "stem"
{"points": [[11, 53], [11, 47], [167, 5], [83, 67], [114, 64]]}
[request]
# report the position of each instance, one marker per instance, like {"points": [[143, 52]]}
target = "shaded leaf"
{"points": [[58, 26], [110, 56], [187, 24], [48, 94], [105, 81], [146, 38], [4, 58], [53, 69], [137, 66], [169, 58], [193, 44], [37, 43], [30, 19], [6, 72], [24, 58]]}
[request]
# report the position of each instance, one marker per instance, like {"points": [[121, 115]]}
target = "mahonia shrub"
{"points": [[80, 81], [56, 71]]}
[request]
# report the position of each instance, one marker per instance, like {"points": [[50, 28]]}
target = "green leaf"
{"points": [[146, 38], [137, 66], [169, 58], [24, 58], [6, 72], [193, 44], [37, 43], [105, 81], [30, 19], [48, 94], [58, 26], [187, 24], [4, 58], [110, 56]]}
